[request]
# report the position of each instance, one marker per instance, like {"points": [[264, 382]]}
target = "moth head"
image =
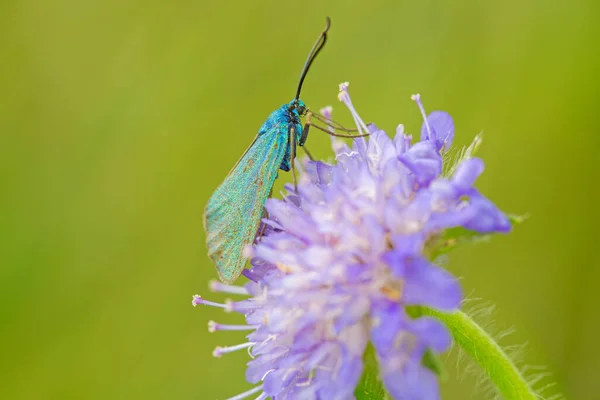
{"points": [[298, 105]]}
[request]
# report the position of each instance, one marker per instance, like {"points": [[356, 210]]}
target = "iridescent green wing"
{"points": [[233, 213]]}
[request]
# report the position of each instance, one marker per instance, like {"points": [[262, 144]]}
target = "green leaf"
{"points": [[370, 386], [451, 238], [517, 219], [431, 361], [413, 311]]}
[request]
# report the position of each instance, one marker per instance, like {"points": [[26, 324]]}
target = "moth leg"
{"points": [[292, 144], [327, 131], [333, 124], [262, 227], [330, 131], [304, 135], [310, 156]]}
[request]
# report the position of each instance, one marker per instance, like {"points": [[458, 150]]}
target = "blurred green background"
{"points": [[118, 119]]}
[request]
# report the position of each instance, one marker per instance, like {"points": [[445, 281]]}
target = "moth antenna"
{"points": [[313, 54]]}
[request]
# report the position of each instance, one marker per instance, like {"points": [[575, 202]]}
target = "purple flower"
{"points": [[344, 254]]}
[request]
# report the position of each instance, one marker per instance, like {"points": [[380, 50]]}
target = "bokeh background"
{"points": [[118, 119]]}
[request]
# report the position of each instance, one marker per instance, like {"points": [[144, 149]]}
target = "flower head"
{"points": [[345, 254]]}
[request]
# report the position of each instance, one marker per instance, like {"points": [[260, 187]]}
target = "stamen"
{"points": [[417, 99], [337, 144], [219, 351], [196, 300], [247, 393], [400, 130], [289, 372], [407, 140], [344, 97], [216, 286], [213, 327], [262, 396], [267, 373], [327, 113], [284, 268], [401, 137], [394, 294], [240, 306]]}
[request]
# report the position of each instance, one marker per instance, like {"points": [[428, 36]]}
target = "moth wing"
{"points": [[233, 213]]}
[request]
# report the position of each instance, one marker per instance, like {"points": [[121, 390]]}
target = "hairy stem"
{"points": [[486, 353]]}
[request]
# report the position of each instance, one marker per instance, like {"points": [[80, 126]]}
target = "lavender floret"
{"points": [[342, 257]]}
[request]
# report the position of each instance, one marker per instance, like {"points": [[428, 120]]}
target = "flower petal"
{"points": [[430, 285], [441, 123], [423, 161]]}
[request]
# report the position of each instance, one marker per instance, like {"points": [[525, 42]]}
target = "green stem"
{"points": [[486, 353]]}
